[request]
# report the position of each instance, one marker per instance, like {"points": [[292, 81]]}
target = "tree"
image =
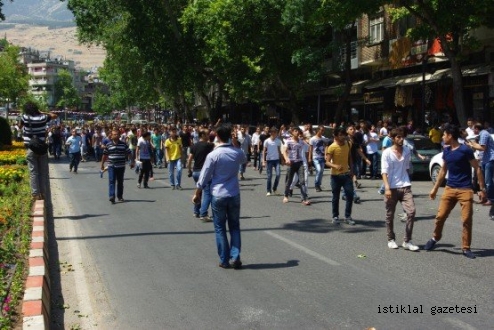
{"points": [[14, 79], [66, 94], [102, 103], [451, 21]]}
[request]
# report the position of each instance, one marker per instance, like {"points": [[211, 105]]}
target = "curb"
{"points": [[36, 302]]}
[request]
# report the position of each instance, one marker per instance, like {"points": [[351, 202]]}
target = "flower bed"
{"points": [[14, 154], [15, 229]]}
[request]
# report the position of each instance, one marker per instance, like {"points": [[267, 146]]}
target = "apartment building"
{"points": [[397, 79]]}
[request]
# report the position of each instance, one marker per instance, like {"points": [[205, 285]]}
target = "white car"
{"points": [[437, 162]]}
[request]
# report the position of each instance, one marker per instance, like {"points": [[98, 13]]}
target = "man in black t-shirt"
{"points": [[262, 137], [186, 142], [198, 154]]}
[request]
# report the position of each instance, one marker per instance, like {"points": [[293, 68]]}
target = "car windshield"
{"points": [[422, 143]]}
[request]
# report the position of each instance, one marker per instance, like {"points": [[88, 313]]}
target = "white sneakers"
{"points": [[392, 244], [406, 245], [410, 246]]}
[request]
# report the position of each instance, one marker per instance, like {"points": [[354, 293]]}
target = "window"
{"points": [[376, 29]]}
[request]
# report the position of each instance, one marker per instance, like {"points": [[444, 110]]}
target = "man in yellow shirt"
{"points": [[339, 159], [173, 149], [435, 135]]}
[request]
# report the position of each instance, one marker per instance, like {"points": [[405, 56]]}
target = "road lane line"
{"points": [[303, 249], [458, 324]]}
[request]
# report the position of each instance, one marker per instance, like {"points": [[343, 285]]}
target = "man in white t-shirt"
{"points": [[371, 141], [271, 159], [395, 164]]}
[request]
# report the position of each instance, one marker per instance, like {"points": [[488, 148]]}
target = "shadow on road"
{"points": [[288, 264], [80, 217]]}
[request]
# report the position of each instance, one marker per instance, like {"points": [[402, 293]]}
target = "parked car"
{"points": [[424, 146], [437, 162]]}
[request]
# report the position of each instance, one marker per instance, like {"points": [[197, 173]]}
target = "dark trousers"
{"points": [[146, 169], [75, 158], [116, 175], [297, 167]]}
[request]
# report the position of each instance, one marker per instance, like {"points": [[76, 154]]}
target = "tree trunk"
{"points": [[458, 95], [342, 99]]}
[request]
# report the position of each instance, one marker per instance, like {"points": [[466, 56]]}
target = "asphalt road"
{"points": [[148, 263]]}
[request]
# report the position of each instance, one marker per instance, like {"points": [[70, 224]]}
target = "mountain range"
{"points": [[51, 13]]}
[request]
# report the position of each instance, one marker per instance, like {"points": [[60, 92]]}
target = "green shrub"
{"points": [[5, 132]]}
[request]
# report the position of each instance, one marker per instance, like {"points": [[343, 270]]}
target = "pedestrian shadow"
{"points": [[138, 201], [250, 185], [484, 252], [66, 178], [260, 217], [321, 226], [425, 217], [80, 217], [288, 264]]}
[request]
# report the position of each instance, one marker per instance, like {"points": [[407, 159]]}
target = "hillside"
{"points": [[58, 41], [53, 13]]}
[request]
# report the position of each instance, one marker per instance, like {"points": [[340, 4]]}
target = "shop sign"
{"points": [[371, 98]]}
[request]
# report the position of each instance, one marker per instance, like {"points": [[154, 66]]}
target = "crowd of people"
{"points": [[216, 157]]}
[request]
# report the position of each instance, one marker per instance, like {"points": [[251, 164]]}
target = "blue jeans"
{"points": [[241, 168], [177, 163], [337, 182], [227, 209], [488, 171], [374, 158], [115, 174], [98, 153], [202, 209], [158, 157], [270, 164], [319, 165]]}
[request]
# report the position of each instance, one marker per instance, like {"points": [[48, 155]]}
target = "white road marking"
{"points": [[303, 249]]}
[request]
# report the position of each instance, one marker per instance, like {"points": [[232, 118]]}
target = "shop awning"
{"points": [[406, 80], [467, 71], [357, 87]]}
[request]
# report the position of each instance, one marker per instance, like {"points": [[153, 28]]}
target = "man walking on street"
{"points": [[271, 159], [458, 162], [339, 159], [395, 164], [221, 171], [173, 150], [486, 146], [116, 153], [317, 145], [198, 154], [74, 143], [144, 154]]}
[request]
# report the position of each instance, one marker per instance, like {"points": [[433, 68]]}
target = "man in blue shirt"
{"points": [[486, 146], [74, 143], [220, 171], [458, 160]]}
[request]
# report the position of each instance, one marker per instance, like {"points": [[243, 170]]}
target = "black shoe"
{"points": [[121, 200], [318, 188], [112, 200], [260, 171], [237, 264], [469, 254], [290, 194], [224, 266], [430, 244]]}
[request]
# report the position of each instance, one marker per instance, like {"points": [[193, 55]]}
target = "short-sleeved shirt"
{"points": [[144, 149], [174, 148], [340, 155], [117, 153], [156, 140], [318, 146], [74, 143], [371, 146], [200, 150], [34, 125], [262, 137], [459, 168], [387, 142], [485, 139], [295, 150], [272, 148]]}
